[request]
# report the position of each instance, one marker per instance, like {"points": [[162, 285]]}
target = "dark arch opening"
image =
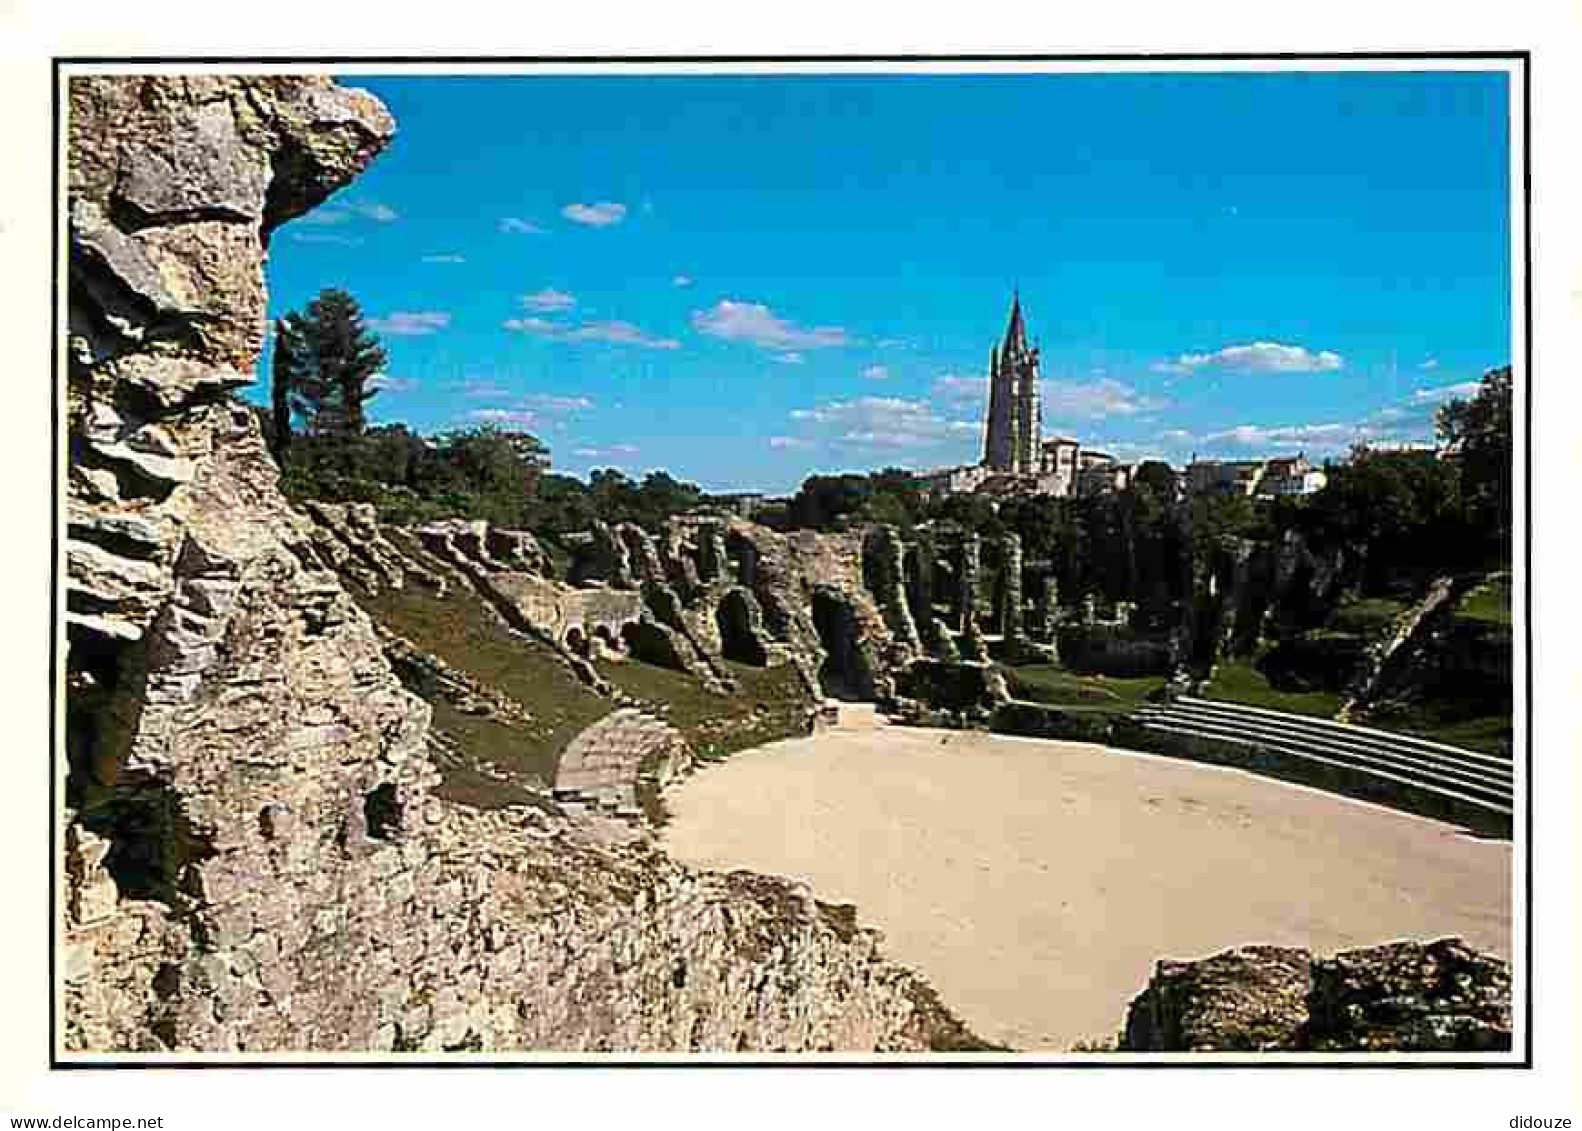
{"points": [[382, 812], [744, 558], [577, 641], [844, 674], [738, 641]]}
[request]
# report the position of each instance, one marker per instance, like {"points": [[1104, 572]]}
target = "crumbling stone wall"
{"points": [[254, 859], [531, 600]]}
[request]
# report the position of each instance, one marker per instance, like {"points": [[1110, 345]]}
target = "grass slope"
{"points": [[459, 630], [1046, 683], [1238, 681], [771, 704]]}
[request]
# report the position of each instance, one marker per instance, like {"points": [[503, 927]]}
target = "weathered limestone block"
{"points": [[1411, 997], [1010, 594], [518, 550], [459, 541], [1250, 999], [600, 558], [713, 560], [884, 561], [642, 553], [1399, 997], [968, 598]]}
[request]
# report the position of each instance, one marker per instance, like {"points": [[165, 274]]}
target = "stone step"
{"points": [[1497, 797], [1503, 811], [1361, 733], [1462, 797], [1454, 774]]}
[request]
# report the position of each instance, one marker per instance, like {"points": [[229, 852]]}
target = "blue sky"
{"points": [[747, 279]]}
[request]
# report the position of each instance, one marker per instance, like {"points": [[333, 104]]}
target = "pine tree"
{"points": [[331, 357], [280, 387]]}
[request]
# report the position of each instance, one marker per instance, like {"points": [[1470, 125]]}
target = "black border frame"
{"points": [[989, 1061]]}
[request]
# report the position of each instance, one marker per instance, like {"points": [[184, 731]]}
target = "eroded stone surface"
{"points": [[1440, 996]]}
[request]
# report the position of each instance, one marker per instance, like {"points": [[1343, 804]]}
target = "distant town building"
{"points": [[1057, 466], [1292, 475], [1267, 479], [1099, 474], [953, 480], [1011, 435], [1230, 477]]}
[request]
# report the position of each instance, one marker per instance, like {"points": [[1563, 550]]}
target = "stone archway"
{"points": [[845, 672], [577, 641], [740, 624]]}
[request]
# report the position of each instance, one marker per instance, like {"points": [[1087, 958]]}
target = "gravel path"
{"points": [[1035, 883]]}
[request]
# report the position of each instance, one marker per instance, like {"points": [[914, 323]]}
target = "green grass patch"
{"points": [[1056, 686], [771, 704], [1366, 616], [1238, 681], [1489, 603], [1439, 721], [461, 632]]}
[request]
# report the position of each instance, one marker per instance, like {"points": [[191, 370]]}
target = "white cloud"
{"points": [[755, 323], [1407, 424], [444, 259], [888, 423], [792, 358], [1461, 389], [394, 384], [876, 373], [961, 390], [890, 343], [1093, 400], [506, 417], [548, 301], [613, 331], [326, 237], [681, 281], [330, 214], [536, 411], [552, 402], [1310, 437], [600, 215], [1429, 363], [482, 387], [789, 442], [1256, 357], [540, 326], [1061, 400], [410, 323], [613, 452], [515, 225]]}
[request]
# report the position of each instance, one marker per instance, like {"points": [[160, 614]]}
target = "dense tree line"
{"points": [[1404, 513], [323, 375]]}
